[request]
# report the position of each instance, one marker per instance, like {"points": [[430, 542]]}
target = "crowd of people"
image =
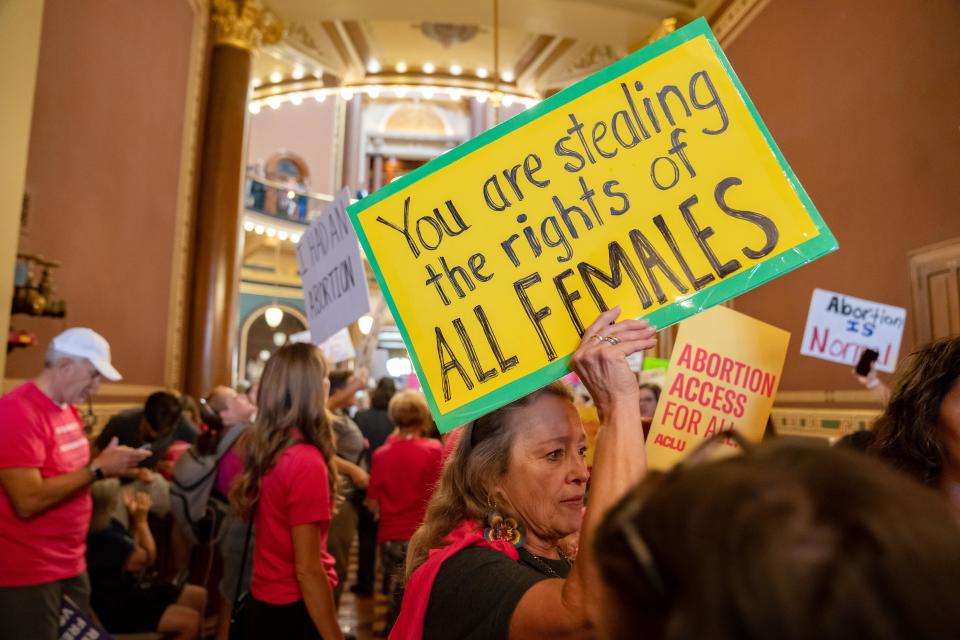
{"points": [[500, 530]]}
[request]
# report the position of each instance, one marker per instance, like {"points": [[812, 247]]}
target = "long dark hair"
{"points": [[906, 433], [789, 541], [290, 398]]}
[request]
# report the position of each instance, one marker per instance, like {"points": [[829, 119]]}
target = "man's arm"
{"points": [[31, 494]]}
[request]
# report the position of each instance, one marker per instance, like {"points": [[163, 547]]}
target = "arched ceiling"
{"points": [[544, 45]]}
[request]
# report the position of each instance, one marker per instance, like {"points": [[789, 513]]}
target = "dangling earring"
{"points": [[500, 527]]}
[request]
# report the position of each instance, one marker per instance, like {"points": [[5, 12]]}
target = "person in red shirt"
{"points": [[45, 474], [403, 475], [289, 490]]}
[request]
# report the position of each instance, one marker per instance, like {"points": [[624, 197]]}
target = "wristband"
{"points": [[95, 471]]}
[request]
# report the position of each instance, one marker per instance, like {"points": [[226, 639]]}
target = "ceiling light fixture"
{"points": [[482, 72], [401, 67], [298, 72], [456, 69], [276, 77], [506, 75], [274, 316], [428, 67], [373, 66], [254, 108]]}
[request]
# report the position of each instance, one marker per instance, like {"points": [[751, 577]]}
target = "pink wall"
{"points": [[103, 167], [863, 98], [306, 129]]}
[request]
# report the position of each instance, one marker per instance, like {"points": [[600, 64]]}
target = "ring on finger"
{"points": [[597, 337], [611, 339]]}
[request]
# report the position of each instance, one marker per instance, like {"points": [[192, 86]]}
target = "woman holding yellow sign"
{"points": [[493, 558]]}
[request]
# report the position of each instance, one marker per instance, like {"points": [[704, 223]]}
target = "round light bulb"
{"points": [[482, 72], [401, 67], [365, 323], [276, 77], [254, 108], [298, 72], [295, 238], [248, 226], [259, 229], [279, 338], [373, 66], [274, 316], [456, 69], [428, 67]]}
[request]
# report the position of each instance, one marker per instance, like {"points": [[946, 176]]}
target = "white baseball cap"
{"points": [[87, 343]]}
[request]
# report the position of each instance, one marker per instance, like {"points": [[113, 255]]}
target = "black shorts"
{"points": [[288, 621], [142, 611]]}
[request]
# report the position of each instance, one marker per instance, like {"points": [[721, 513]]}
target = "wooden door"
{"points": [[935, 273]]}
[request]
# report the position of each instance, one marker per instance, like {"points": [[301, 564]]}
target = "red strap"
{"points": [[416, 597]]}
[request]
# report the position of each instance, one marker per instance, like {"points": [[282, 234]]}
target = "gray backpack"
{"points": [[199, 513]]}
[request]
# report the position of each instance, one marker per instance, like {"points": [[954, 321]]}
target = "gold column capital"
{"points": [[244, 24]]}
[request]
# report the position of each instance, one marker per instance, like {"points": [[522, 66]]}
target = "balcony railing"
{"points": [[283, 201]]}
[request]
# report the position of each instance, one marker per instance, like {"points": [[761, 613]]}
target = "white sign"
{"points": [[334, 280], [840, 328], [339, 347]]}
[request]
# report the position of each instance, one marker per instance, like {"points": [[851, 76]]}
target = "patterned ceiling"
{"points": [[543, 45]]}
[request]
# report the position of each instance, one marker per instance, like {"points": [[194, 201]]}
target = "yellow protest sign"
{"points": [[652, 184], [723, 375]]}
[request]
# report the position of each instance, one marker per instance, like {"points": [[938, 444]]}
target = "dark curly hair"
{"points": [[906, 434]]}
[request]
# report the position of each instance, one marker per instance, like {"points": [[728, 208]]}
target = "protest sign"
{"points": [[339, 347], [77, 624], [723, 375], [334, 280], [840, 328], [653, 185]]}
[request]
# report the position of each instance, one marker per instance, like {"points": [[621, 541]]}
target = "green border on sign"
{"points": [[664, 317]]}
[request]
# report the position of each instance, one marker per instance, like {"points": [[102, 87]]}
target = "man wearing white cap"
{"points": [[45, 472]]}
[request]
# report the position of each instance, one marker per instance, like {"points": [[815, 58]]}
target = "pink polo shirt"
{"points": [[35, 432]]}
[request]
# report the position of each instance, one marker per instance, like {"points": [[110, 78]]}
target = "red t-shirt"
{"points": [[294, 492], [36, 432], [402, 478]]}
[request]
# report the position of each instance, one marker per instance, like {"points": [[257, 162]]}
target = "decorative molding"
{"points": [[821, 423], [241, 370], [828, 396], [733, 18], [186, 183], [245, 24], [107, 389], [103, 411]]}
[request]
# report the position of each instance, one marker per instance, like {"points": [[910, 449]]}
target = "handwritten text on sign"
{"points": [[723, 375], [334, 280], [840, 328], [652, 185]]}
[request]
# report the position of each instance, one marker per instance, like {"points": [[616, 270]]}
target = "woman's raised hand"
{"points": [[601, 358]]}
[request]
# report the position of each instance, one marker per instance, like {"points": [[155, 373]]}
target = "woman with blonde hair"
{"points": [[493, 558], [289, 490]]}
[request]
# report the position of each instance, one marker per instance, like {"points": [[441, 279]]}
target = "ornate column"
{"points": [[352, 132], [238, 26], [478, 117]]}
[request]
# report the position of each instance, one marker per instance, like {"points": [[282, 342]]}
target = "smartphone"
{"points": [[147, 446], [867, 358]]}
